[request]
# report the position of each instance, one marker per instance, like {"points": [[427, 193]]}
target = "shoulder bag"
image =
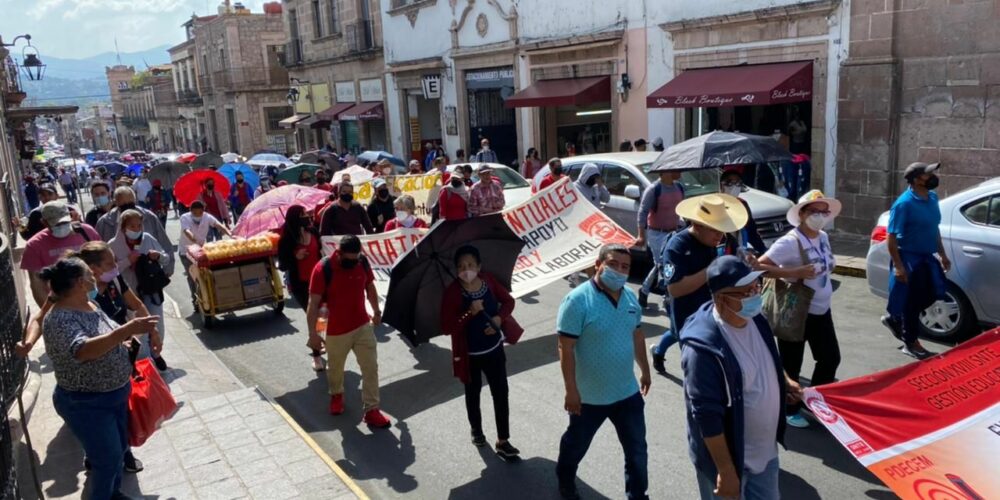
{"points": [[786, 304]]}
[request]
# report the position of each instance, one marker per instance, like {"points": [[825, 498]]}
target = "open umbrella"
{"points": [[229, 170], [168, 172], [135, 168], [718, 149], [190, 185], [230, 157], [187, 157], [317, 155], [376, 156], [115, 168], [270, 157], [291, 175], [427, 270], [267, 212], [207, 160]]}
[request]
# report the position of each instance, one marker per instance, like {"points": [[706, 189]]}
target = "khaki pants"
{"points": [[362, 342]]}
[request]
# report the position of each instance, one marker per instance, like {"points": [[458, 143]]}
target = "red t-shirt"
{"points": [[395, 224], [212, 205], [344, 296], [547, 181], [307, 264]]}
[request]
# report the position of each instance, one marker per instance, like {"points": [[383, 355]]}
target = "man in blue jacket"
{"points": [[735, 388]]}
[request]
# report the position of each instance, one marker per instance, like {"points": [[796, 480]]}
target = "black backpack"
{"points": [[150, 277]]}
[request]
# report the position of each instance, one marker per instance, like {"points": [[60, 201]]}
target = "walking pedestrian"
{"points": [[215, 203], [473, 308], [658, 144], [917, 278], [657, 221], [345, 216], [555, 173], [196, 225], [142, 186], [688, 255], [747, 238], [405, 217], [599, 340], [460, 156], [158, 202], [453, 201], [46, 193], [322, 180], [265, 186], [804, 253], [485, 154], [342, 281], [734, 388], [68, 183], [625, 146], [100, 194], [486, 196], [531, 164], [591, 185], [430, 156], [240, 195], [109, 224], [46, 247], [414, 168], [299, 250], [640, 144], [382, 207]]}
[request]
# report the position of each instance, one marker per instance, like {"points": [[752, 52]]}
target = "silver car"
{"points": [[626, 175], [970, 231]]}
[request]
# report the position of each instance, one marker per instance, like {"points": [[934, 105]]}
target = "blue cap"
{"points": [[730, 271]]}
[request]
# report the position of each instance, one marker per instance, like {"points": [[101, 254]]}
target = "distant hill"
{"points": [[54, 91], [93, 66]]}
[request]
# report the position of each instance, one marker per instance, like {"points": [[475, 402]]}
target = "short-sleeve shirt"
{"points": [[785, 253], [605, 352], [65, 331], [44, 249], [344, 295], [198, 229], [686, 256], [306, 265], [915, 222]]}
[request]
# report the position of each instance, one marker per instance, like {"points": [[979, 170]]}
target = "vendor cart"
{"points": [[235, 282]]}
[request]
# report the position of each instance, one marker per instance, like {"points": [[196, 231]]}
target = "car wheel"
{"points": [[950, 319]]}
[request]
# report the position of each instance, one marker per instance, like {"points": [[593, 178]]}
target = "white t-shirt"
{"points": [[785, 253], [761, 393], [199, 229], [142, 188]]}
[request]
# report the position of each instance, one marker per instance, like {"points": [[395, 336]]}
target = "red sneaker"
{"points": [[375, 418], [337, 404]]}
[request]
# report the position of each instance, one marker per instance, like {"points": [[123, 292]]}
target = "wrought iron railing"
{"points": [[13, 368], [360, 36]]}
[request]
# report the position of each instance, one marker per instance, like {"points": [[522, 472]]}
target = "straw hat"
{"points": [[814, 196], [718, 211]]}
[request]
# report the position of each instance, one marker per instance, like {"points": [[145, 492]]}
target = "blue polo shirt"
{"points": [[604, 349], [915, 222], [686, 256]]}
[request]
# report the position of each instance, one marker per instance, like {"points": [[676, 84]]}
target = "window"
{"points": [[234, 143], [317, 20], [334, 26], [985, 211], [273, 115], [616, 178]]}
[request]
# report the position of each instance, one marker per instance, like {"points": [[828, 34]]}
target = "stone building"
{"points": [[242, 83], [190, 113], [119, 80], [334, 58]]}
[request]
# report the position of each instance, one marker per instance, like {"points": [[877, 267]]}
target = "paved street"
{"points": [[427, 453]]}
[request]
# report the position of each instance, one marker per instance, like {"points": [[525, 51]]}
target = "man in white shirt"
{"points": [[195, 226], [142, 187]]}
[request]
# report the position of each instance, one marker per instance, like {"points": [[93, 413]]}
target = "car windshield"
{"points": [[509, 178], [696, 182]]}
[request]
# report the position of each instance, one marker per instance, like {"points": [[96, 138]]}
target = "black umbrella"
{"points": [[168, 172], [418, 281], [718, 149], [207, 160]]}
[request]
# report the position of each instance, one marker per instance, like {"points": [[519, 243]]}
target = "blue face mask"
{"points": [[613, 279], [133, 235], [750, 307], [102, 200], [92, 294]]}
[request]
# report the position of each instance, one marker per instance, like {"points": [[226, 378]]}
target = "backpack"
{"points": [[327, 263], [150, 277]]}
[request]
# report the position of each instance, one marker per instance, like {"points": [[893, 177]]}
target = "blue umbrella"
{"points": [[114, 168], [134, 168], [229, 171], [376, 156]]}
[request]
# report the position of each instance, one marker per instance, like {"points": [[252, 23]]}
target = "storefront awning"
{"points": [[562, 92], [33, 111], [364, 111], [331, 113], [747, 85], [314, 121], [291, 121]]}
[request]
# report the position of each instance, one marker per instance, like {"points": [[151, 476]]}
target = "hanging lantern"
{"points": [[31, 64]]}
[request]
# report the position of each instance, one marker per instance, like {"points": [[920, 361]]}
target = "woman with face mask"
{"points": [[731, 183], [805, 254], [453, 200], [473, 309], [299, 249], [92, 370], [405, 218], [129, 246]]}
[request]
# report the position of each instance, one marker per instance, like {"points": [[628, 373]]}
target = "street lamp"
{"points": [[292, 97], [31, 64]]}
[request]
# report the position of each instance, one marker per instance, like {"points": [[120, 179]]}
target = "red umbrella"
{"points": [[267, 212], [188, 187], [187, 158]]}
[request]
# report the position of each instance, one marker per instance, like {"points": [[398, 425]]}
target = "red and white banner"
{"points": [[929, 430], [562, 232]]}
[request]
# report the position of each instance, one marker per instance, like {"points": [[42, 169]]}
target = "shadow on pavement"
{"points": [[230, 331], [792, 486], [816, 441], [529, 478]]}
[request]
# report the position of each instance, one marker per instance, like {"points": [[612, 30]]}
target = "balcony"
{"points": [[135, 122], [360, 37], [12, 93], [244, 79], [293, 53], [188, 98]]}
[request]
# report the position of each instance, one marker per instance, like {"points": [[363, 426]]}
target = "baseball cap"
{"points": [[484, 167], [658, 142], [55, 212], [730, 271], [640, 142], [918, 168], [47, 187]]}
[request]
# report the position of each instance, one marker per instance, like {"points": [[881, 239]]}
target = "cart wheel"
{"points": [[279, 307]]}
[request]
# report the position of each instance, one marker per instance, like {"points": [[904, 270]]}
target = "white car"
{"points": [[515, 188]]}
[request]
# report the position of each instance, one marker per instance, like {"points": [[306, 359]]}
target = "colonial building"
{"points": [[334, 58], [190, 113]]}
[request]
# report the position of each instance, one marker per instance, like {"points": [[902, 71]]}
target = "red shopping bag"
{"points": [[149, 404]]}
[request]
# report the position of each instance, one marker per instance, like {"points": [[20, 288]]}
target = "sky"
{"points": [[83, 28]]}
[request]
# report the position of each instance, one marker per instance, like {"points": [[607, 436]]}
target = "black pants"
{"points": [[822, 339], [494, 365]]}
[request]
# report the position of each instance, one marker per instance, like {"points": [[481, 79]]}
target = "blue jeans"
{"points": [[669, 337], [155, 308], [628, 417], [797, 178], [898, 306], [657, 242], [99, 420], [762, 486]]}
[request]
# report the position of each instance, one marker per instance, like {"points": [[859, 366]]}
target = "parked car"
{"points": [[970, 231], [515, 188], [626, 175]]}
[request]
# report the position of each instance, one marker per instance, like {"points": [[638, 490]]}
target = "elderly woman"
{"points": [[804, 253], [92, 371], [406, 208], [134, 248]]}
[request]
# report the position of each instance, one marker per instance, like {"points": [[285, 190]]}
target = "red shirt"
{"points": [[307, 264], [211, 201], [452, 206], [394, 224], [326, 186], [344, 296], [547, 181]]}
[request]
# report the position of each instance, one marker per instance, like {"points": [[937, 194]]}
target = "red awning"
{"points": [[748, 85], [563, 92], [364, 111], [331, 113]]}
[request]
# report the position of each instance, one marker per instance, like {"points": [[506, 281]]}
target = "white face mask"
{"points": [[468, 276], [816, 222], [733, 190], [401, 215], [62, 230]]}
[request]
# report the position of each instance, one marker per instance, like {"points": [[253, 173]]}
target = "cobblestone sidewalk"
{"points": [[226, 441]]}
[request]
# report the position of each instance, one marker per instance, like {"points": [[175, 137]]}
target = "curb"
{"points": [[853, 272]]}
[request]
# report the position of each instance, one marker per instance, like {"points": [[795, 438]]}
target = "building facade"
{"points": [[190, 112], [335, 62]]}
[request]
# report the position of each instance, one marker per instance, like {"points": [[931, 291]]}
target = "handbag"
{"points": [[149, 404], [786, 304], [511, 329]]}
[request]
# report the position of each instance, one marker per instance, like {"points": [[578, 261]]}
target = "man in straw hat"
{"points": [[689, 253]]}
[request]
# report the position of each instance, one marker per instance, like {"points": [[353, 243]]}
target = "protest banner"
{"points": [[423, 188], [562, 231], [929, 430]]}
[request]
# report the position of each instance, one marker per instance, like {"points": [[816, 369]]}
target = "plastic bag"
{"points": [[150, 403]]}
